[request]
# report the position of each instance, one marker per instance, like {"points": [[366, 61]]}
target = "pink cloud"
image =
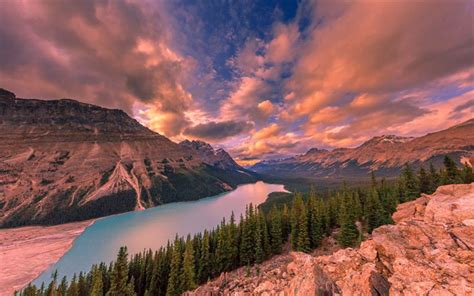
{"points": [[107, 53], [282, 48], [370, 68]]}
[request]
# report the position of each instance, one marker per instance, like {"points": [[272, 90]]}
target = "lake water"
{"points": [[153, 227]]}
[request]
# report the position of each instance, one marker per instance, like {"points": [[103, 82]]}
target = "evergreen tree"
{"points": [[410, 183], [174, 285], [258, 239], [62, 289], [82, 284], [348, 233], [424, 181], [188, 280], [204, 262], [41, 289], [233, 242], [223, 251], [392, 202], [434, 179], [285, 222], [332, 211], [356, 204], [373, 179], [130, 287], [303, 241], [275, 230], [296, 210], [375, 213], [73, 289], [326, 226], [265, 234], [311, 209], [451, 175], [247, 243], [97, 284], [29, 290], [315, 221], [51, 291], [401, 191], [119, 285]]}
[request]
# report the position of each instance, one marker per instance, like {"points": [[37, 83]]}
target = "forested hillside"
{"points": [[187, 262]]}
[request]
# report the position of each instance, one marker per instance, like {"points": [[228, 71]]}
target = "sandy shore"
{"points": [[26, 252]]}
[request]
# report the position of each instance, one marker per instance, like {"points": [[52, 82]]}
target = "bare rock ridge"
{"points": [[429, 251], [386, 155], [62, 160], [215, 157]]}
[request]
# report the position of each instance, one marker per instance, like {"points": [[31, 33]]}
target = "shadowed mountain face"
{"points": [[63, 160], [386, 155]]}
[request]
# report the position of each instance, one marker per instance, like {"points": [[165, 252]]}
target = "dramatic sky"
{"points": [[260, 78]]}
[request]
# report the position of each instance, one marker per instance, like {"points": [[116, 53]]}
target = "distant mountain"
{"points": [[386, 155], [215, 157], [220, 159], [62, 160]]}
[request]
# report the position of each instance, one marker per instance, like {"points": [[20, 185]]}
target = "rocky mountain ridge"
{"points": [[386, 155], [429, 251], [215, 157], [63, 160]]}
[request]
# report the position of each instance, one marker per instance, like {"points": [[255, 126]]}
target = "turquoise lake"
{"points": [[152, 228]]}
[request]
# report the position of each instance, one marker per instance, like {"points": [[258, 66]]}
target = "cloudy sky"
{"points": [[260, 78]]}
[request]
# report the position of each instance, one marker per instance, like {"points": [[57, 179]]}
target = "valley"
{"points": [[63, 161], [70, 248], [347, 232]]}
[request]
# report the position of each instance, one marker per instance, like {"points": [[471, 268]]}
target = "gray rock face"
{"points": [[62, 160], [386, 155]]}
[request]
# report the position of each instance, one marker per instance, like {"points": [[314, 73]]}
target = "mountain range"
{"points": [[63, 160], [385, 155]]}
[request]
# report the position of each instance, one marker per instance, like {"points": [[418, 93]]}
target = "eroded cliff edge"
{"points": [[429, 251]]}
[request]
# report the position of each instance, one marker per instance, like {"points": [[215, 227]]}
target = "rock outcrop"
{"points": [[429, 251], [386, 155], [63, 160]]}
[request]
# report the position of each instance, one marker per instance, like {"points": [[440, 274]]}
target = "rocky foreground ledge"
{"points": [[429, 251]]}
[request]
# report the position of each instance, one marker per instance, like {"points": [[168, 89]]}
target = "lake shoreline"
{"points": [[152, 228], [26, 252]]}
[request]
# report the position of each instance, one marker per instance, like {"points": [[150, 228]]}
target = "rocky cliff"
{"points": [[429, 251], [62, 160], [215, 157], [386, 155]]}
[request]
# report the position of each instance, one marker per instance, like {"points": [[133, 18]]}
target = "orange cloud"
{"points": [[267, 132], [347, 87], [266, 108], [245, 100], [269, 140], [282, 48], [113, 54], [441, 115]]}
